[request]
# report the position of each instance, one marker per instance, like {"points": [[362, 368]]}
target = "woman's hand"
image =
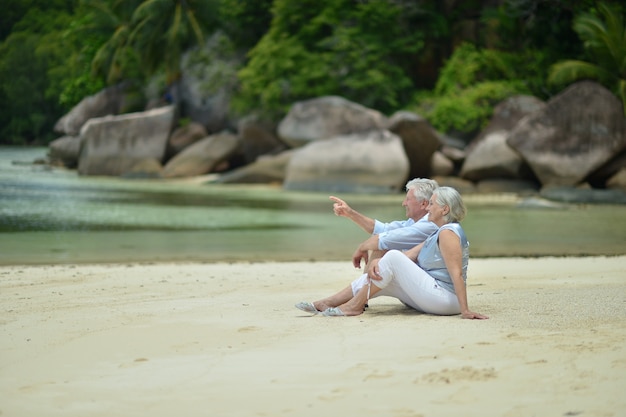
{"points": [[471, 315], [372, 270]]}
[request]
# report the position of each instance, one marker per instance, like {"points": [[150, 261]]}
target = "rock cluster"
{"points": [[571, 148]]}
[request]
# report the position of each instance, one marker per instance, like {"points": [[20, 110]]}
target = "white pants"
{"points": [[405, 280]]}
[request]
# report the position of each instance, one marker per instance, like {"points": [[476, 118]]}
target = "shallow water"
{"points": [[55, 216]]}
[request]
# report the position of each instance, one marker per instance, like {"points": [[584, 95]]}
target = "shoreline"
{"points": [[198, 338]]}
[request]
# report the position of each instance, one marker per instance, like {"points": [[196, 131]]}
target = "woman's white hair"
{"points": [[448, 196]]}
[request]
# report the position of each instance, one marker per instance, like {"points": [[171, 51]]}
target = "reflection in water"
{"points": [[53, 215]]}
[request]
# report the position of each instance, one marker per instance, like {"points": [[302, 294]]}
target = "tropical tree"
{"points": [[115, 59], [162, 30], [604, 40]]}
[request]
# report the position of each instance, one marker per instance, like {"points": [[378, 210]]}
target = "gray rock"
{"points": [[372, 161], [420, 141], [461, 185], [202, 157], [258, 138], [508, 113], [112, 145], [326, 117], [456, 155], [109, 101], [145, 168], [266, 169], [64, 151], [600, 177], [441, 165], [618, 181], [489, 155], [185, 136], [580, 130], [492, 157]]}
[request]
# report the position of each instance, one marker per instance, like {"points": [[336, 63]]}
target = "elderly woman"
{"points": [[429, 277]]}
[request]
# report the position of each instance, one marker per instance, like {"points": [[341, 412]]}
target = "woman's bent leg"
{"points": [[406, 281]]}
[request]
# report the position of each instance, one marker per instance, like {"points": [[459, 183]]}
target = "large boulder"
{"points": [[420, 141], [454, 154], [618, 181], [258, 138], [109, 101], [114, 145], [489, 155], [579, 130], [461, 185], [492, 157], [441, 165], [507, 114], [202, 157], [600, 177], [184, 136], [372, 161], [64, 151], [327, 117], [266, 169]]}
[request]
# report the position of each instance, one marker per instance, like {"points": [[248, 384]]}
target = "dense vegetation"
{"points": [[450, 61]]}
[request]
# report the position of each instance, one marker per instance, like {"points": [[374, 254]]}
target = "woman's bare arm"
{"points": [[450, 246]]}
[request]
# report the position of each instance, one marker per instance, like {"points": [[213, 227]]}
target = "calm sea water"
{"points": [[50, 215]]}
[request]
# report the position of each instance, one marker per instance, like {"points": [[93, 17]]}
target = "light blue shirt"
{"points": [[431, 260], [403, 235]]}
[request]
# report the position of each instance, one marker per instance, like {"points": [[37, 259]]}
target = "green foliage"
{"points": [[471, 83], [69, 73], [271, 85], [314, 48], [53, 53], [469, 65], [24, 95], [469, 110], [533, 24], [34, 65], [604, 38], [244, 21]]}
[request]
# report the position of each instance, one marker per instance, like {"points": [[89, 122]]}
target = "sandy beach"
{"points": [[203, 339]]}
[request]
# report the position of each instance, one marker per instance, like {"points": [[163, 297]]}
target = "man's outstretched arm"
{"points": [[341, 208]]}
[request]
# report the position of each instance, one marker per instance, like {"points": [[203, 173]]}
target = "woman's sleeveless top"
{"points": [[431, 261]]}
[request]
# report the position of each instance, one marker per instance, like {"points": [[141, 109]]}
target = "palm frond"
{"points": [[603, 36], [195, 25], [566, 72], [622, 92]]}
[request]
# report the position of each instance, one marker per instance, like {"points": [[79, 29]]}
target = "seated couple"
{"points": [[424, 258]]}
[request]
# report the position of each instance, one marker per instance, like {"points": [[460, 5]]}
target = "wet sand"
{"points": [[219, 339]]}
